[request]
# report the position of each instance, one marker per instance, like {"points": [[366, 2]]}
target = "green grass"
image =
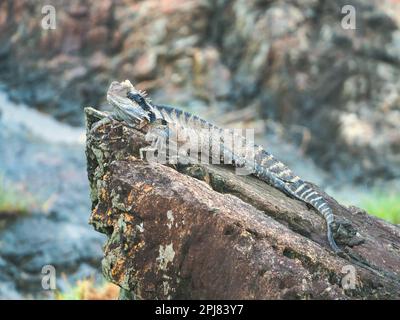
{"points": [[385, 206], [13, 201], [86, 289]]}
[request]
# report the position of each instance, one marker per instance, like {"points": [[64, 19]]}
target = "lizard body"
{"points": [[133, 107]]}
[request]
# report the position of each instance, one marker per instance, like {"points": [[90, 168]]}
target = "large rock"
{"points": [[291, 60], [172, 236]]}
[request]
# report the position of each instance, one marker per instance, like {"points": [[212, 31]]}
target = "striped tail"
{"points": [[305, 192], [279, 175]]}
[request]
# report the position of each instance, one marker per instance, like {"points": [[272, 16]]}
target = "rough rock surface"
{"points": [[172, 236], [290, 60]]}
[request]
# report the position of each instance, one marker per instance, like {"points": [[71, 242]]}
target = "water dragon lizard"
{"points": [[134, 108]]}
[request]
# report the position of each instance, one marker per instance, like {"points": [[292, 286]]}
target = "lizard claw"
{"points": [[346, 233]]}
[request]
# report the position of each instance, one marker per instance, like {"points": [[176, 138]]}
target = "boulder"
{"points": [[202, 232]]}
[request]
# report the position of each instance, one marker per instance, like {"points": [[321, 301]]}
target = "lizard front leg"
{"points": [[157, 135], [105, 118]]}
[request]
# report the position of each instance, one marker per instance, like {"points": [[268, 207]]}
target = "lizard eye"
{"points": [[135, 97]]}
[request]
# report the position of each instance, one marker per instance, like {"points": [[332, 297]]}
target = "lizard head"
{"points": [[129, 103]]}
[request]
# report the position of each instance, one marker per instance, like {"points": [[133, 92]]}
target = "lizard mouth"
{"points": [[126, 109]]}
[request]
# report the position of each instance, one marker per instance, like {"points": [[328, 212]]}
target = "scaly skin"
{"points": [[132, 107]]}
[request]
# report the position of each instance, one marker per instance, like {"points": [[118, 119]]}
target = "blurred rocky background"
{"points": [[324, 99]]}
